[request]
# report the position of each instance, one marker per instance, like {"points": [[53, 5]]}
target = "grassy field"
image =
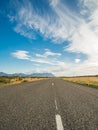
{"points": [[5, 80], [90, 81]]}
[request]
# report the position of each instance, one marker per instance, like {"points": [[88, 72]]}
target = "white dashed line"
{"points": [[57, 116], [58, 119], [59, 122], [56, 105], [52, 84]]}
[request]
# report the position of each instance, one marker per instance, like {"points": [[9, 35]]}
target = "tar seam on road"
{"points": [[58, 117]]}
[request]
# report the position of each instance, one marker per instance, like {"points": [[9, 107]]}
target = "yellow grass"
{"points": [[83, 80], [28, 79], [17, 80]]}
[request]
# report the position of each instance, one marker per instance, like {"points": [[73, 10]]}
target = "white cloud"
{"points": [[59, 69], [38, 58], [77, 60], [21, 54], [89, 5], [58, 27], [64, 25], [48, 53], [84, 41], [42, 61], [54, 2], [22, 30]]}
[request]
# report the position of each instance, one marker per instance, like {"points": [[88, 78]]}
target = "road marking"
{"points": [[57, 116], [52, 84], [56, 105], [59, 122]]}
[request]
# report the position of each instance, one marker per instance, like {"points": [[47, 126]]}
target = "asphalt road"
{"points": [[51, 104]]}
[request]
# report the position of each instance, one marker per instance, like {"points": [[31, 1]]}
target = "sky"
{"points": [[54, 36]]}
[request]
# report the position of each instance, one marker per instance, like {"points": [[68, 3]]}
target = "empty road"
{"points": [[51, 104]]}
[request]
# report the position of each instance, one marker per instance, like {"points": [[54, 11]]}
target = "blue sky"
{"points": [[57, 36]]}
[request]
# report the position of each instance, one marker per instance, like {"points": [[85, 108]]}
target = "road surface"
{"points": [[51, 104]]}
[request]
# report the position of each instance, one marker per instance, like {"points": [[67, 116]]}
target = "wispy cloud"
{"points": [[54, 2], [56, 66], [22, 30], [48, 53], [21, 54], [85, 39], [79, 29], [46, 58], [58, 26]]}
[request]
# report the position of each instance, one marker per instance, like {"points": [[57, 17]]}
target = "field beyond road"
{"points": [[9, 80], [52, 104], [90, 80]]}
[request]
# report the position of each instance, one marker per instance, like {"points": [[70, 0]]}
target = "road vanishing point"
{"points": [[51, 104]]}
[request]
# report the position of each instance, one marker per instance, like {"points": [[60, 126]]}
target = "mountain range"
{"points": [[28, 75]]}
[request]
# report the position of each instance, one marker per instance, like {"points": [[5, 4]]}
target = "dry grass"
{"points": [[90, 81], [29, 79], [5, 81]]}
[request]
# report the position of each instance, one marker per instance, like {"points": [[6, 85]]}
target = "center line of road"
{"points": [[56, 105], [59, 122], [58, 119], [52, 84]]}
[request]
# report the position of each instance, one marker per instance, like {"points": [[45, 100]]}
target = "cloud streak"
{"points": [[46, 58], [21, 54], [47, 54], [79, 29], [58, 26]]}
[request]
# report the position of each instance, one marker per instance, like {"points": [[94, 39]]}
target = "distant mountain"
{"points": [[41, 75], [28, 75], [3, 74], [19, 74]]}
